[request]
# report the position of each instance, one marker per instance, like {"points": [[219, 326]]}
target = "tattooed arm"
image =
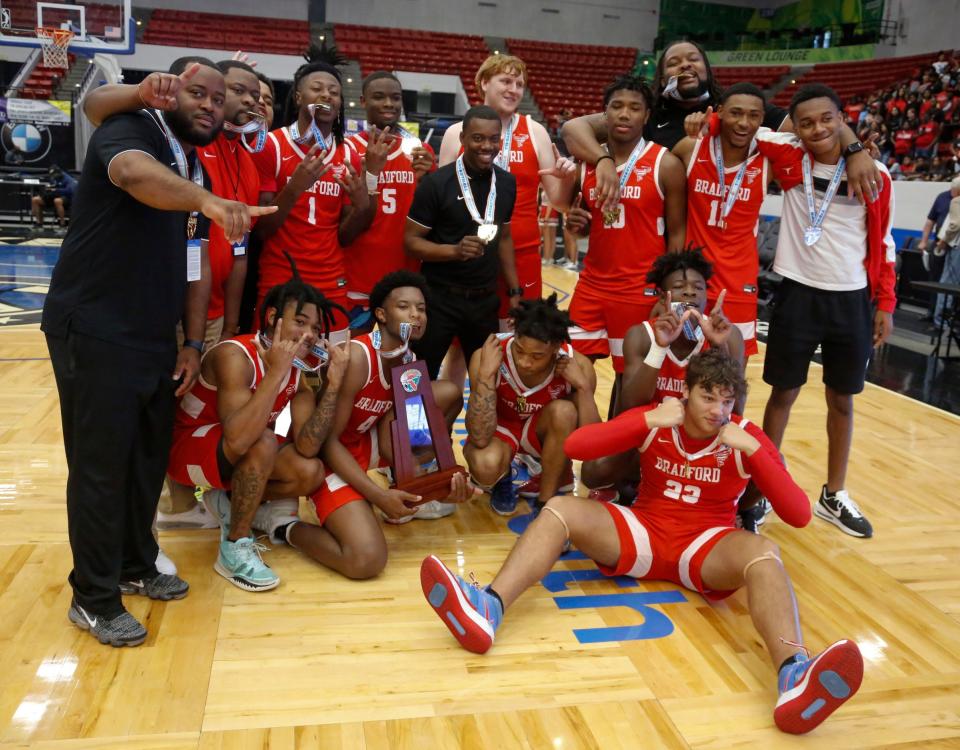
{"points": [[482, 406], [313, 413]]}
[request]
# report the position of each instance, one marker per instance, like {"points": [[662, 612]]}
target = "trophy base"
{"points": [[432, 486]]}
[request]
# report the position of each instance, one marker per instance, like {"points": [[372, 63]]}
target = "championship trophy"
{"points": [[423, 462]]}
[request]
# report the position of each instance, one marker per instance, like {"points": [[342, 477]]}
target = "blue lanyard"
{"points": [[727, 204], [503, 158], [816, 218], [631, 163], [314, 131]]}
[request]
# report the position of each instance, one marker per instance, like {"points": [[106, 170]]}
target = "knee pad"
{"points": [[768, 555], [559, 517]]}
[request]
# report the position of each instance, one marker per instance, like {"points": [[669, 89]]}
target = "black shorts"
{"points": [[840, 323]]}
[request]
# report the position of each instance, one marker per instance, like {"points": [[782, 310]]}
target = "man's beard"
{"points": [[184, 130]]}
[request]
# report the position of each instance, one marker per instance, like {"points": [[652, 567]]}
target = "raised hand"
{"points": [[491, 355], [716, 327], [668, 414], [668, 327], [159, 90], [697, 124], [734, 436], [337, 366], [281, 353], [563, 168], [863, 177], [241, 56], [310, 169], [379, 146], [570, 370], [577, 219], [354, 184], [422, 159], [234, 217]]}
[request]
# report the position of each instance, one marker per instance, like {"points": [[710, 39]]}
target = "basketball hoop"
{"points": [[54, 44]]}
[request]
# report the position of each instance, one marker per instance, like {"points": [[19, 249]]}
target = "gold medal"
{"points": [[191, 226], [610, 216], [521, 404]]}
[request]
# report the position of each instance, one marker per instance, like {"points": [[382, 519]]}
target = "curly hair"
{"points": [[691, 257], [542, 320]]}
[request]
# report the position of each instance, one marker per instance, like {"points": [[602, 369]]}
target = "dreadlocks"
{"points": [[320, 59], [297, 290], [542, 320], [691, 257]]}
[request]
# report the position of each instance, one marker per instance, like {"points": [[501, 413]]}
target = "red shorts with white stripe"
{"points": [[659, 550], [193, 457], [600, 322], [743, 314], [334, 493], [548, 216], [521, 436]]}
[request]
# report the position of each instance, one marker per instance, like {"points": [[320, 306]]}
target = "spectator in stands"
{"points": [[884, 142], [952, 165], [928, 136], [117, 292], [895, 119], [948, 245], [903, 142], [926, 103], [941, 63], [58, 193]]}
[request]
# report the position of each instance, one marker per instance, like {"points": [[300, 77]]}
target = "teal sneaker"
{"points": [[240, 563], [471, 613]]}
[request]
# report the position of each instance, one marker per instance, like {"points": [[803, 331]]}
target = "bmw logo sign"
{"points": [[32, 141]]}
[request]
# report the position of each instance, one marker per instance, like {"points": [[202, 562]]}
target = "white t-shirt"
{"points": [[836, 261]]}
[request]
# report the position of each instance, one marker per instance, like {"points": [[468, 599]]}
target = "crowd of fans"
{"points": [[916, 123]]}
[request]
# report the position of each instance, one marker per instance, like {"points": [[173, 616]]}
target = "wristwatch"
{"points": [[518, 292], [854, 148], [194, 344]]}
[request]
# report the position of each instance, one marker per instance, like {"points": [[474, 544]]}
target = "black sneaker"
{"points": [[840, 510], [161, 587], [122, 630], [752, 518]]}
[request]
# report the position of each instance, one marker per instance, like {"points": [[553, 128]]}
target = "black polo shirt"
{"points": [[665, 125], [122, 272], [438, 205]]}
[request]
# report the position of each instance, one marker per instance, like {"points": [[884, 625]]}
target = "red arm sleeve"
{"points": [[785, 153], [885, 289], [608, 438], [774, 481]]}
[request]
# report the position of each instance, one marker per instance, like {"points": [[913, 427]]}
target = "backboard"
{"points": [[105, 26]]}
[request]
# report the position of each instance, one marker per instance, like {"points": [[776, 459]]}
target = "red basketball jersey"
{"points": [[198, 407], [516, 402], [673, 371], [692, 481], [730, 243], [374, 399], [619, 256], [309, 232], [379, 250], [234, 177]]}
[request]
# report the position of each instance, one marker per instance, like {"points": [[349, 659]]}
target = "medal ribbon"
{"points": [[257, 126], [314, 131], [503, 158], [727, 204], [468, 198], [816, 217], [631, 163]]}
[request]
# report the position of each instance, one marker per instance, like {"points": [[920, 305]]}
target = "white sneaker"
{"points": [[275, 514], [195, 518], [164, 564], [434, 509]]}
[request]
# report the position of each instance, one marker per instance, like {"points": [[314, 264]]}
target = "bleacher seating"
{"points": [[571, 76], [763, 76], [182, 28], [42, 82], [414, 50], [858, 78]]}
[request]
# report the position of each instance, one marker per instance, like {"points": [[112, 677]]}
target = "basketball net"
{"points": [[54, 44]]}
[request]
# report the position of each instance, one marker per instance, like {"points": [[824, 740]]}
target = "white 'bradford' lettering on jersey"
{"points": [[697, 473], [712, 188], [375, 406], [630, 191], [397, 177]]}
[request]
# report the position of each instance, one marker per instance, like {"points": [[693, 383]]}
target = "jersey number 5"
{"points": [[388, 199], [689, 493]]}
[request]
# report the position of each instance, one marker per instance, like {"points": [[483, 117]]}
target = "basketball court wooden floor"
{"points": [[580, 663]]}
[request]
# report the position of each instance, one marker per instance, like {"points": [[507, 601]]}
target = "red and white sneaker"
{"points": [[471, 613], [812, 689], [530, 490]]}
